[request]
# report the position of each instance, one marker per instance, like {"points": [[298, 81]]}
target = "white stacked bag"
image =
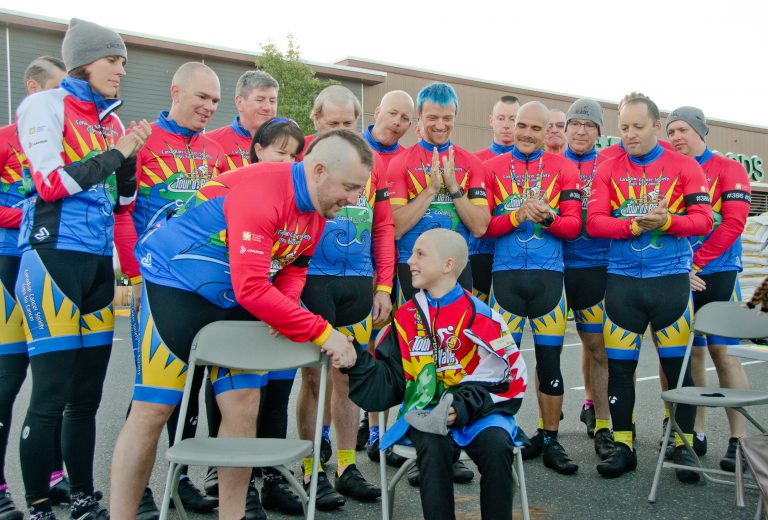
{"points": [[754, 241]]}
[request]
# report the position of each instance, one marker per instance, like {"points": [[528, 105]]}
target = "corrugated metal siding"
{"points": [[25, 46], [4, 120]]}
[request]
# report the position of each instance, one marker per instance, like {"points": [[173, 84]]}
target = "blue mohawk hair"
{"points": [[438, 93]]}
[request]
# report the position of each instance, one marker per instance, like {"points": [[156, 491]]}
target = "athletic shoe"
{"points": [[362, 433], [534, 447], [193, 499], [604, 444], [59, 492], [728, 462], [681, 456], [325, 450], [670, 444], [461, 473], [86, 507], [393, 459], [41, 513], [700, 443], [622, 459], [147, 508], [373, 451], [276, 494], [253, 509], [328, 498], [557, 459], [413, 475], [352, 484], [587, 416], [211, 482], [8, 509]]}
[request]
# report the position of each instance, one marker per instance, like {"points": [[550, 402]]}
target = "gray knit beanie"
{"points": [[693, 116], [86, 42], [588, 109]]}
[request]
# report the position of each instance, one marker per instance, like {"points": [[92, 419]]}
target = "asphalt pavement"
{"points": [[551, 496]]}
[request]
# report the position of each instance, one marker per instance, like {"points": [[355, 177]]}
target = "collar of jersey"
{"points": [[499, 149], [377, 146], [82, 90], [446, 299], [239, 129], [648, 158], [520, 156], [431, 147], [171, 126], [706, 156], [303, 202], [584, 157]]}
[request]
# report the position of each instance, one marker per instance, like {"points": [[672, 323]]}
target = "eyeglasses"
{"points": [[586, 125]]}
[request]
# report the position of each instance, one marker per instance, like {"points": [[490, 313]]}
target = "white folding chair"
{"points": [[246, 345], [730, 320], [409, 453]]}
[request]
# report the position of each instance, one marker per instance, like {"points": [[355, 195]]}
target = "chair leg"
{"points": [[521, 484], [660, 462], [171, 492], [386, 511], [759, 512]]}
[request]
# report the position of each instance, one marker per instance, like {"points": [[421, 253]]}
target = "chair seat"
{"points": [[238, 452], [715, 397]]}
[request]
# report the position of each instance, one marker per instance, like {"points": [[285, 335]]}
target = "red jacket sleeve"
{"points": [[383, 230], [250, 263], [499, 225], [125, 233], [600, 223], [10, 217], [567, 225], [396, 177], [735, 198], [698, 220], [291, 280]]}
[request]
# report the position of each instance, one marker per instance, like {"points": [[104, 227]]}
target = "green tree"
{"points": [[298, 84]]}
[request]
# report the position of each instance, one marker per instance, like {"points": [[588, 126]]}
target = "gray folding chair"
{"points": [[730, 320], [246, 345], [409, 453]]}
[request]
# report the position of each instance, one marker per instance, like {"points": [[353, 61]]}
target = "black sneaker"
{"points": [[373, 451], [393, 459], [700, 443], [681, 456], [86, 507], [604, 444], [413, 475], [8, 509], [669, 446], [193, 499], [278, 495], [147, 508], [327, 497], [59, 492], [211, 482], [622, 459], [728, 462], [352, 484], [535, 446], [253, 509], [325, 450], [362, 433], [587, 416], [461, 473], [557, 459], [41, 512]]}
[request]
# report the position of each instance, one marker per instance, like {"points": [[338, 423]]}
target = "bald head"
{"points": [[447, 245], [392, 118], [195, 95], [531, 127]]}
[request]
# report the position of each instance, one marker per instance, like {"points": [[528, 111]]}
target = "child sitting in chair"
{"points": [[449, 359]]}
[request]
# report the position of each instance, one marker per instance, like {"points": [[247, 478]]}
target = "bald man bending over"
{"points": [[175, 162]]}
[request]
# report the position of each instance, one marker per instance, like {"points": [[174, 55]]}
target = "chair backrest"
{"points": [[247, 345], [731, 320]]}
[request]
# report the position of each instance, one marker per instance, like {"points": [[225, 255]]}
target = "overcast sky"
{"points": [[707, 54]]}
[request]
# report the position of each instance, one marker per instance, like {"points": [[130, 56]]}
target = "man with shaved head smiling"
{"points": [[256, 272], [175, 162], [536, 204], [468, 371]]}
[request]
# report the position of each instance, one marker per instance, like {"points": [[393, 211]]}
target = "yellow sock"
{"points": [[666, 413], [541, 423], [679, 441], [307, 468], [633, 416], [622, 437], [602, 424], [346, 458]]}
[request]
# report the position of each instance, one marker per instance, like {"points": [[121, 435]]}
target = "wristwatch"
{"points": [[457, 194], [548, 221]]}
